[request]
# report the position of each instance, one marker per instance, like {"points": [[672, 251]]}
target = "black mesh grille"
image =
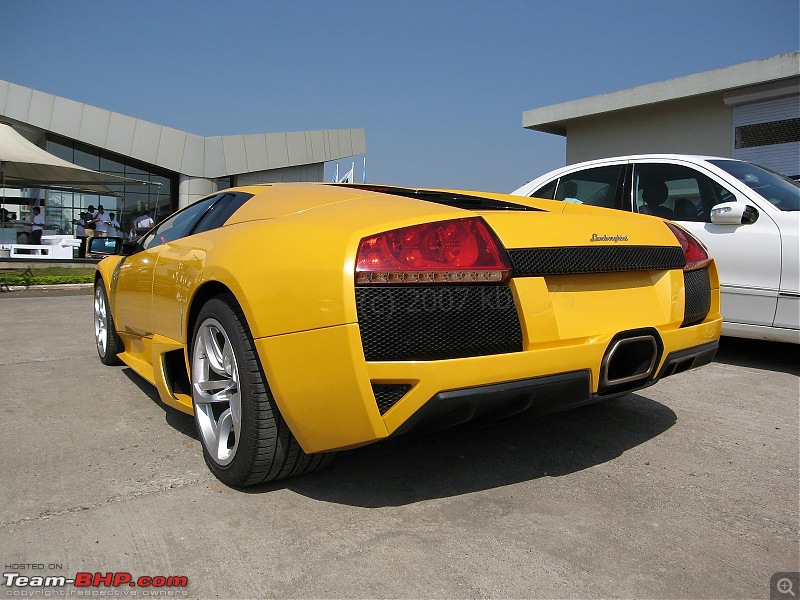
{"points": [[437, 322], [785, 131], [575, 260], [698, 296], [387, 394]]}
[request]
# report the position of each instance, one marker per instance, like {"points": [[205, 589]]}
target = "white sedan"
{"points": [[746, 215]]}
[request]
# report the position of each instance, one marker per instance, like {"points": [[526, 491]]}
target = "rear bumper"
{"points": [[325, 389], [535, 396], [691, 358]]}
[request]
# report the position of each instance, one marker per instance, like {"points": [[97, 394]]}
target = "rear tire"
{"points": [[108, 342], [244, 437]]}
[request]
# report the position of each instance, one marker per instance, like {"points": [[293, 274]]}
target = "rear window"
{"points": [[222, 211]]}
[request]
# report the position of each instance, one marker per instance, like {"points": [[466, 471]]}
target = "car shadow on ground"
{"points": [[448, 463], [415, 468], [759, 354], [176, 419]]}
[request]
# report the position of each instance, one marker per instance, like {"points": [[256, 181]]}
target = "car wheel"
{"points": [[245, 440], [105, 334]]}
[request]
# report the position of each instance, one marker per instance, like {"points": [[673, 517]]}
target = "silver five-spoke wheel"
{"points": [[108, 341], [245, 439], [100, 320], [215, 391]]}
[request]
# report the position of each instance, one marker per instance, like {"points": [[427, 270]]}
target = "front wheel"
{"points": [[108, 342], [245, 440]]}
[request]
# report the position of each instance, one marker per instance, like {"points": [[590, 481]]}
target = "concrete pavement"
{"points": [[688, 489]]}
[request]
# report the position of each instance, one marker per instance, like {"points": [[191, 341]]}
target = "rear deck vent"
{"points": [[582, 260]]}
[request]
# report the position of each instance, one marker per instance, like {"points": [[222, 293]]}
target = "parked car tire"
{"points": [[108, 342], [244, 437]]}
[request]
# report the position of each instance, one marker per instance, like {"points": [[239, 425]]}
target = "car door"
{"points": [[748, 256], [132, 285], [788, 313], [180, 266], [131, 289]]}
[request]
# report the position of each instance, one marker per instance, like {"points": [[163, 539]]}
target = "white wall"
{"points": [[312, 172], [191, 189], [699, 125]]}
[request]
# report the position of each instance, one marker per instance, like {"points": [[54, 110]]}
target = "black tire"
{"points": [[265, 449], [109, 344]]}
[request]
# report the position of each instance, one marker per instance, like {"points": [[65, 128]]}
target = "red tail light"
{"points": [[456, 251], [695, 253]]}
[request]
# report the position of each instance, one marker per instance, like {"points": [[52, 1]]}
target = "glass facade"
{"points": [[133, 199]]}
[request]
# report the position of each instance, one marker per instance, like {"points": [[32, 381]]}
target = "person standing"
{"points": [[113, 226], [37, 225], [101, 220], [141, 225], [80, 233], [90, 226]]}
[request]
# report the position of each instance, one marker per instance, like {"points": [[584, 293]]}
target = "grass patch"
{"points": [[46, 276]]}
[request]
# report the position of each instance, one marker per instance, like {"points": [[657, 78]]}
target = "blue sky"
{"points": [[439, 86]]}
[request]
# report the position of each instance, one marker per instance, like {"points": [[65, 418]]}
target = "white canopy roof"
{"points": [[23, 164]]}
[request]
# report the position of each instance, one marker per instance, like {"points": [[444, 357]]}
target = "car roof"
{"points": [[696, 157], [524, 189]]}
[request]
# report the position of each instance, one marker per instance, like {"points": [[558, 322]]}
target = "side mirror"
{"points": [[734, 213], [129, 248], [105, 246]]}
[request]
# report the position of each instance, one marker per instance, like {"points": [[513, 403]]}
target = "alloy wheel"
{"points": [[100, 321], [215, 391]]}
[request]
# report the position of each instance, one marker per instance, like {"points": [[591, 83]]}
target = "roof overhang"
{"points": [[171, 149], [24, 164], [554, 119]]}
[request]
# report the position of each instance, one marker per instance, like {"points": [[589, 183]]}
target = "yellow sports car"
{"points": [[294, 320]]}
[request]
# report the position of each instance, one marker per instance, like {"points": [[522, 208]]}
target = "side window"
{"points": [[546, 191], [178, 225], [596, 186], [676, 192], [221, 211]]}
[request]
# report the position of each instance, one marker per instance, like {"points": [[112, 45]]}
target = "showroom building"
{"points": [[172, 168], [749, 111]]}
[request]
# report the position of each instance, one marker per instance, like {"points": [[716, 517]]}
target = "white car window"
{"points": [[596, 186], [783, 193], [676, 192], [546, 191]]}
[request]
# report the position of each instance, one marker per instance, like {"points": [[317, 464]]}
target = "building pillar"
{"points": [[191, 189]]}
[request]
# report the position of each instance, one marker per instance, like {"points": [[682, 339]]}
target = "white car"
{"points": [[746, 215]]}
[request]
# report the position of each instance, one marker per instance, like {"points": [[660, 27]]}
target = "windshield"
{"points": [[783, 193]]}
